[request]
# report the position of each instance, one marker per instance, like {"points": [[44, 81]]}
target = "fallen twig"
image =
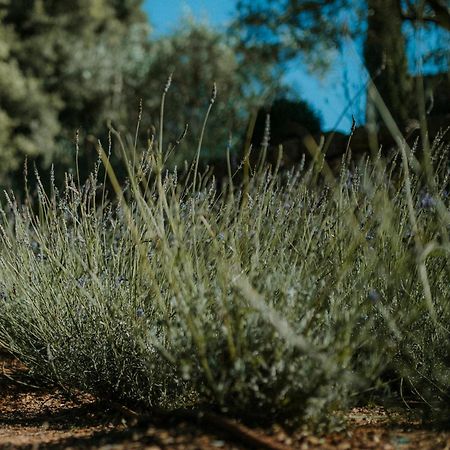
{"points": [[17, 381], [236, 430]]}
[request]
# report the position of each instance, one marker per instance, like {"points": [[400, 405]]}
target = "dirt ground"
{"points": [[46, 418]]}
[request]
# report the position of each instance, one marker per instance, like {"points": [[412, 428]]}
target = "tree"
{"points": [[385, 57], [290, 121], [28, 115], [198, 57], [91, 61], [86, 57], [281, 29]]}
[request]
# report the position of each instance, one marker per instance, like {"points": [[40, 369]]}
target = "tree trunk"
{"points": [[385, 57]]}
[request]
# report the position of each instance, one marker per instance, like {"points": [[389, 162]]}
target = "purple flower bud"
{"points": [[427, 201], [120, 280], [373, 295]]}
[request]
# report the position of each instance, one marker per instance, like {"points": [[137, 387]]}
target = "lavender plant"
{"points": [[283, 299]]}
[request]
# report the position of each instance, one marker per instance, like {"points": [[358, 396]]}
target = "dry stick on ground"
{"points": [[17, 381], [236, 430]]}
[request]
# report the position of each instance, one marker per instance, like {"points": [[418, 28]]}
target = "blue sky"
{"points": [[166, 14], [328, 96]]}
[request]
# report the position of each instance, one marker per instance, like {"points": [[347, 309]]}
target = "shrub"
{"points": [[280, 300], [290, 122]]}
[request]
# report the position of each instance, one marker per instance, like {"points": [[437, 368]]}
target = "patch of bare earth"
{"points": [[47, 418]]}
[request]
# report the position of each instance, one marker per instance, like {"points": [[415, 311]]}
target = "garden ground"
{"points": [[48, 418]]}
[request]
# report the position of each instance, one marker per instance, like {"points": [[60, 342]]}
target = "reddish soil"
{"points": [[47, 418]]}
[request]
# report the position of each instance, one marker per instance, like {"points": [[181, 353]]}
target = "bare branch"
{"points": [[442, 13], [412, 17]]}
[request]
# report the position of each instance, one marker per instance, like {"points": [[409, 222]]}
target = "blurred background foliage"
{"points": [[198, 57], [80, 63], [385, 30], [86, 64]]}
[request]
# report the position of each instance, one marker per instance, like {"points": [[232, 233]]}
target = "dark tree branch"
{"points": [[442, 13], [413, 17]]}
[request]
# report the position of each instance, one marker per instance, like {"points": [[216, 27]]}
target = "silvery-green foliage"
{"points": [[282, 300]]}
